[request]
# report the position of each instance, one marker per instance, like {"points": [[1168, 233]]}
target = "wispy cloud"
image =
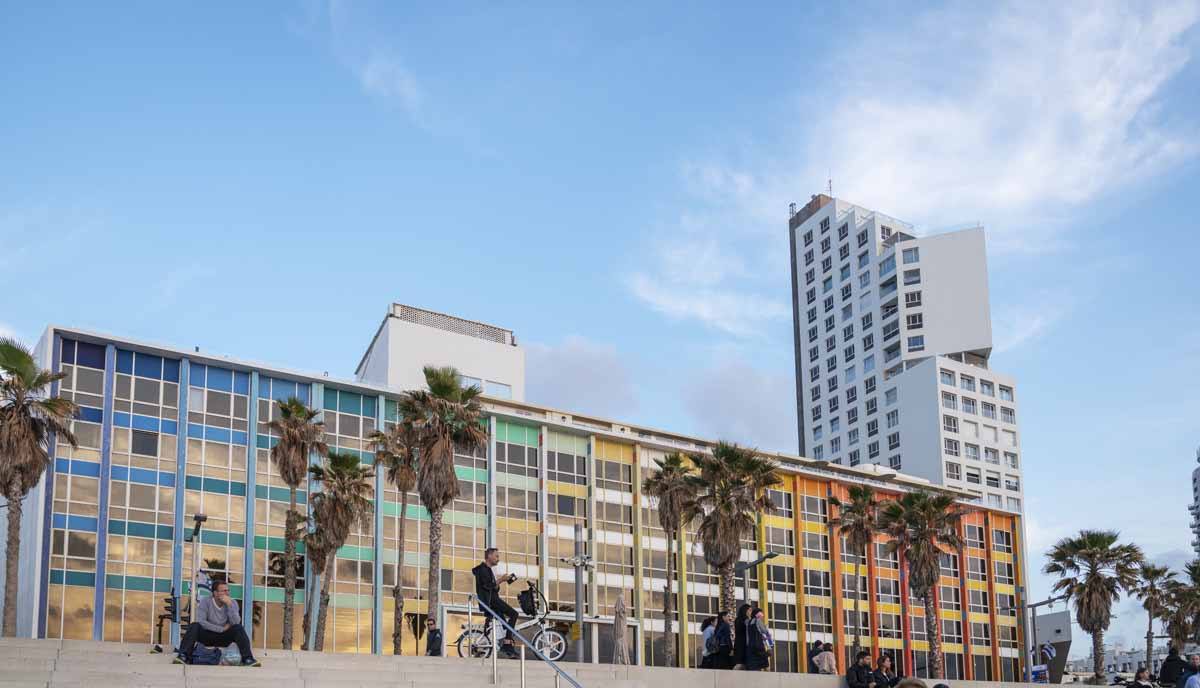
{"points": [[1021, 324], [734, 400], [738, 314], [385, 76], [580, 374]]}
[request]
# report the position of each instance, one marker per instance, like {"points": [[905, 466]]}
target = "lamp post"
{"points": [[199, 523], [581, 562], [744, 567], [1033, 623]]}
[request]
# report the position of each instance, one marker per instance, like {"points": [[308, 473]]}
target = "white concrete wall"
{"points": [[954, 292], [406, 348], [920, 436]]}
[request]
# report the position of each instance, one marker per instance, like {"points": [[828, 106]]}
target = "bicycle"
{"points": [[476, 639]]}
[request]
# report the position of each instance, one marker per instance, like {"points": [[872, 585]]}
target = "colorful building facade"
{"points": [[166, 433]]}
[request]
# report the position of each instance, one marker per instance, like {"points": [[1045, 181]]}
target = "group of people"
{"points": [[1174, 671], [747, 648]]}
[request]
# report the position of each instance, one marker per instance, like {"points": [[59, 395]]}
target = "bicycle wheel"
{"points": [[551, 643], [474, 643]]}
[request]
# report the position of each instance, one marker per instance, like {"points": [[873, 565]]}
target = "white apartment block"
{"points": [[1194, 507], [892, 339]]}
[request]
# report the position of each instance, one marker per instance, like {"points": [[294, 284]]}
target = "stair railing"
{"points": [[512, 633]]}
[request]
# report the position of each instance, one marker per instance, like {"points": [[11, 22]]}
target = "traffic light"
{"points": [[172, 608]]}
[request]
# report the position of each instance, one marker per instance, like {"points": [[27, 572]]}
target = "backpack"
{"points": [[209, 656], [710, 646], [527, 602]]}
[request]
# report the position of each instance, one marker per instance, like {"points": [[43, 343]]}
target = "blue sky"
{"points": [[612, 184]]}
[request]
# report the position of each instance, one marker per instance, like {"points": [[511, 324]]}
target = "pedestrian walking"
{"points": [[885, 674], [724, 635], [759, 642], [708, 646], [826, 661], [739, 637]]}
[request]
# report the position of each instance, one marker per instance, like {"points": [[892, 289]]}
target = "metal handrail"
{"points": [[512, 632]]}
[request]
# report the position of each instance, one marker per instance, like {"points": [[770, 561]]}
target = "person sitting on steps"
{"points": [[218, 623], [487, 589]]}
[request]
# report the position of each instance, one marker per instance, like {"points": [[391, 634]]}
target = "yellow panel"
{"points": [[568, 489], [952, 647], [922, 645], [778, 521], [979, 617], [893, 643], [1002, 556], [518, 525], [977, 585], [811, 527], [887, 608], [1005, 588], [818, 564], [950, 614], [614, 451]]}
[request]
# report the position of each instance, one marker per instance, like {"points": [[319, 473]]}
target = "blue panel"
{"points": [[62, 465], [237, 489], [165, 533], [368, 407], [221, 379], [241, 383], [122, 420], [116, 527], [85, 468], [110, 364], [125, 362], [143, 476], [240, 437], [349, 402], [216, 434], [48, 508], [83, 523], [196, 374], [170, 370], [68, 351], [59, 520], [170, 427], [120, 472], [302, 391], [148, 366], [91, 415], [195, 431], [90, 355], [166, 479], [145, 423]]}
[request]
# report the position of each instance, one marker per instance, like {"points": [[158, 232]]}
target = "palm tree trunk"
{"points": [[854, 591], [12, 555], [669, 607], [1098, 658], [323, 609], [1149, 634], [306, 624], [398, 590], [435, 561], [933, 629], [289, 570], [728, 598]]}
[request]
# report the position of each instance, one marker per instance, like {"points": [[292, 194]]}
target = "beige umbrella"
{"points": [[620, 616]]}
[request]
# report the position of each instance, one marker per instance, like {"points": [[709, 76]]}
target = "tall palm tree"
{"points": [[395, 454], [1178, 612], [858, 522], [445, 417], [29, 422], [1153, 592], [347, 488], [732, 491], [672, 487], [300, 436], [921, 525], [1093, 570], [316, 549]]}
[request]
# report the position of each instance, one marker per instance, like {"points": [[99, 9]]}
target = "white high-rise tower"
{"points": [[892, 339]]}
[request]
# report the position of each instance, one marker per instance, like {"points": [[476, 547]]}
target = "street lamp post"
{"points": [[1033, 623], [581, 562], [744, 567]]}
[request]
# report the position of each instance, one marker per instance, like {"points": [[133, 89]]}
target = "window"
{"points": [[873, 450], [816, 415], [854, 454], [868, 382], [911, 255], [976, 568], [981, 634], [891, 330], [866, 322], [833, 404], [894, 462], [824, 225], [812, 334], [951, 448], [949, 423], [1002, 541], [887, 265], [893, 418], [814, 373], [815, 510], [864, 281], [847, 312], [995, 500], [817, 583], [826, 285], [971, 451], [810, 276], [872, 428], [986, 387], [912, 299], [1014, 504], [953, 471], [1007, 415], [912, 277], [948, 565], [845, 291], [1010, 460], [894, 440], [992, 479], [869, 361], [947, 377], [968, 405], [868, 341], [1004, 572], [852, 433], [1006, 393], [889, 625], [967, 382], [887, 590], [1012, 483], [975, 536], [890, 396], [848, 353], [851, 395], [949, 401], [862, 238], [843, 231], [1010, 438], [825, 244], [950, 598], [989, 410], [835, 444], [916, 343], [812, 314], [852, 417], [818, 619], [973, 475], [808, 238], [815, 393], [991, 455], [816, 546], [847, 333], [808, 259], [1006, 605], [827, 264], [817, 433], [843, 254], [830, 343], [834, 425], [828, 303]]}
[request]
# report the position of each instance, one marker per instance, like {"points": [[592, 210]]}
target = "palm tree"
{"points": [[921, 525], [1152, 591], [395, 454], [732, 492], [29, 422], [446, 417], [1093, 571], [857, 521], [300, 435], [347, 488], [1178, 612], [316, 549], [675, 494]]}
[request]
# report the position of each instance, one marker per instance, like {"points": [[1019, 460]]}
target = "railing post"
{"points": [[495, 652], [523, 667]]}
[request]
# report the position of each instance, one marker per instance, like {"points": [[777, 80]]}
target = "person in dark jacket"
{"points": [[433, 638], [758, 642], [885, 675], [860, 675], [1192, 667], [1172, 667], [487, 589], [739, 637], [724, 635], [816, 649]]}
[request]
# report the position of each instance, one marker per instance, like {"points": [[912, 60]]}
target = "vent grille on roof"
{"points": [[449, 323]]}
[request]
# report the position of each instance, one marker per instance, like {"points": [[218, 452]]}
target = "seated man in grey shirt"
{"points": [[217, 623]]}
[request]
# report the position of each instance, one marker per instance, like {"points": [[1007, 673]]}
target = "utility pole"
{"points": [[744, 567], [581, 563]]}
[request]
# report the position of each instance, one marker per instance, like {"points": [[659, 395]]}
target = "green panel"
{"points": [[517, 481], [214, 537], [391, 410], [162, 585], [478, 475], [139, 583], [331, 399], [145, 530], [415, 511], [237, 540], [349, 601], [274, 594], [166, 533], [410, 558], [349, 402], [116, 527], [82, 578], [356, 552], [56, 576], [114, 582], [462, 518], [370, 404], [515, 433], [275, 544]]}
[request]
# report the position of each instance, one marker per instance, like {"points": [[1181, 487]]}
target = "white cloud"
{"points": [[735, 313], [580, 375], [385, 76], [735, 401], [1021, 324]]}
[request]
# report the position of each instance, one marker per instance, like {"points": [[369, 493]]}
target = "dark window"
{"points": [[145, 443]]}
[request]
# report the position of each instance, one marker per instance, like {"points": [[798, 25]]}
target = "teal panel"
{"points": [[146, 530], [56, 576], [214, 537], [82, 578], [331, 400], [349, 402], [139, 583], [116, 527], [369, 407]]}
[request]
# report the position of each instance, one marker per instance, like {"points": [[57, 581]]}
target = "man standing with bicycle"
{"points": [[487, 589]]}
